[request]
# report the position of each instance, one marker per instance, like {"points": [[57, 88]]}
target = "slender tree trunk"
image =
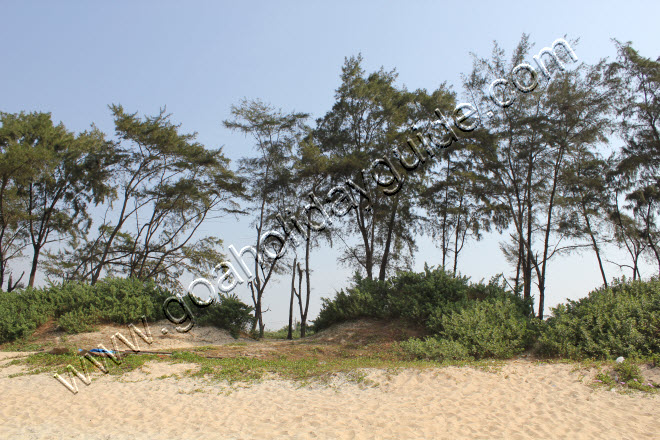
{"points": [[35, 263], [521, 253], [293, 293], [654, 248], [527, 277], [445, 247], [457, 234], [519, 266], [303, 312], [546, 239], [303, 318], [594, 244], [388, 242], [527, 273]]}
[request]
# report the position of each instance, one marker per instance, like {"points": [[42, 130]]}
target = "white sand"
{"points": [[524, 400]]}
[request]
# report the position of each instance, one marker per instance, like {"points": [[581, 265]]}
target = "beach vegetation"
{"points": [[77, 307], [620, 320]]}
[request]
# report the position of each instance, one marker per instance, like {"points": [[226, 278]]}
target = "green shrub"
{"points": [[466, 320], [622, 320], [77, 321], [489, 328], [628, 374], [628, 371], [411, 296], [435, 349], [228, 313], [366, 299], [655, 360], [77, 306], [22, 311]]}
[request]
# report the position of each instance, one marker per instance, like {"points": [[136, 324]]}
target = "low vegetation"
{"points": [[465, 320], [450, 320], [283, 332], [78, 307], [229, 313], [626, 375], [621, 320]]}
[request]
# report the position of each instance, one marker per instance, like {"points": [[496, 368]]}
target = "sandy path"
{"points": [[524, 400]]}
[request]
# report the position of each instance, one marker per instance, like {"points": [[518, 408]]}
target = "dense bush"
{"points": [[415, 297], [464, 320], [228, 313], [77, 307], [490, 328], [622, 320], [435, 349]]}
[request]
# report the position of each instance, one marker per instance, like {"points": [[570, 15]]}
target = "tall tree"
{"points": [[368, 124], [166, 186], [67, 172], [267, 176], [587, 202], [527, 146], [636, 82], [311, 184], [15, 169]]}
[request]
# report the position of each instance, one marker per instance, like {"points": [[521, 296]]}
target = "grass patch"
{"points": [[625, 376], [52, 363], [284, 331], [313, 368], [27, 344]]}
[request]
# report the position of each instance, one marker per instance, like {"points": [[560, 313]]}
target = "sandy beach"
{"points": [[524, 400]]}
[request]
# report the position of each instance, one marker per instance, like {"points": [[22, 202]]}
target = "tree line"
{"points": [[133, 205]]}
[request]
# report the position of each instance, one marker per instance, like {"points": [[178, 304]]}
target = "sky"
{"points": [[197, 58]]}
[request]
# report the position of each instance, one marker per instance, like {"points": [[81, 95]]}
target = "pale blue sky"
{"points": [[74, 58]]}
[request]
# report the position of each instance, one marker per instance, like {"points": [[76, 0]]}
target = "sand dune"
{"points": [[523, 400]]}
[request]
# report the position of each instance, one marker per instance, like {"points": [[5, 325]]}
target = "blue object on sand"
{"points": [[98, 351], [101, 351]]}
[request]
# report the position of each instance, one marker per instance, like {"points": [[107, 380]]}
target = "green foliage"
{"points": [[78, 321], [628, 371], [435, 349], [626, 374], [283, 332], [165, 185], [417, 297], [229, 313], [622, 320], [655, 360], [490, 328], [77, 307], [466, 320], [53, 175]]}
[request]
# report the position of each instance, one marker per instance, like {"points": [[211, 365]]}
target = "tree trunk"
{"points": [[303, 316], [445, 247], [33, 268], [594, 244], [527, 266], [388, 242], [546, 240], [293, 292], [654, 248], [303, 312]]}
